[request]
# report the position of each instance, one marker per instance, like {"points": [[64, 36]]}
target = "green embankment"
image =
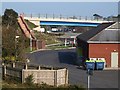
{"points": [[31, 25], [49, 39]]}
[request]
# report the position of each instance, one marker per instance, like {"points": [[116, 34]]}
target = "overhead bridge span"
{"points": [[65, 22]]}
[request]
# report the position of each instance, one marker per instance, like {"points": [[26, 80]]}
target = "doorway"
{"points": [[114, 59]]}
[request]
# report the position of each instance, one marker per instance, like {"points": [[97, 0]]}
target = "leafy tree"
{"points": [[8, 42], [12, 46], [9, 18], [9, 27], [21, 44]]}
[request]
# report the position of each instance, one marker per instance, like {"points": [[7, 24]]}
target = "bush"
{"points": [[10, 58], [29, 80], [76, 87]]}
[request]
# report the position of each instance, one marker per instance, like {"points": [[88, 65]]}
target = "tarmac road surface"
{"points": [[66, 58]]}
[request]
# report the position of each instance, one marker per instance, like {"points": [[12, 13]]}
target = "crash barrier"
{"points": [[41, 74], [95, 63]]}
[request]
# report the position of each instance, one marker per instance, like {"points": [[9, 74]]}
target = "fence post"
{"points": [[39, 68], [55, 78], [38, 15], [86, 18], [46, 16], [51, 68], [91, 18], [66, 77], [13, 65], [60, 16], [80, 17], [26, 67], [4, 71], [67, 17], [31, 16], [53, 16]]}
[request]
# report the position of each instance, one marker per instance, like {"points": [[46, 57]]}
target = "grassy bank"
{"points": [[14, 85], [59, 47]]}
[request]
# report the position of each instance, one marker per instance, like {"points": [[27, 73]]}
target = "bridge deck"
{"points": [[66, 22]]}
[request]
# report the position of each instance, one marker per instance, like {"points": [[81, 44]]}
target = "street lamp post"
{"points": [[88, 80], [89, 73]]}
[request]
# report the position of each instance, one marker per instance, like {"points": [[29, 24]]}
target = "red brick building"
{"points": [[101, 42]]}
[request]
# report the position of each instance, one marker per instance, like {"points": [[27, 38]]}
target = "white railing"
{"points": [[54, 16]]}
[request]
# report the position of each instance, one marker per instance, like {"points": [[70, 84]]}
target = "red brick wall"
{"points": [[103, 51], [38, 44], [41, 45], [34, 44]]}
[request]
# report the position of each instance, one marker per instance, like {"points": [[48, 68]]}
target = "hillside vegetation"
{"points": [[31, 25], [12, 48], [49, 39]]}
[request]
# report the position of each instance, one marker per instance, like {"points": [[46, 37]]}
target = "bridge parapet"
{"points": [[37, 20], [62, 17], [46, 18]]}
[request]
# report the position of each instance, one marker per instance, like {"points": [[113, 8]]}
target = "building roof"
{"points": [[89, 34], [114, 26], [93, 35], [111, 36]]}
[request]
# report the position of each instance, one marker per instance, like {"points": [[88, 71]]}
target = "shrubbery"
{"points": [[29, 84], [29, 80]]}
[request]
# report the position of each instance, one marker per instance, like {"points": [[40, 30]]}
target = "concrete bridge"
{"points": [[64, 21]]}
